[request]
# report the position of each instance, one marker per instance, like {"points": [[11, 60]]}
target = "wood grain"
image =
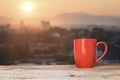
{"points": [[60, 72]]}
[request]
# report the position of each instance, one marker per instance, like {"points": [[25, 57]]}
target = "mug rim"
{"points": [[85, 38]]}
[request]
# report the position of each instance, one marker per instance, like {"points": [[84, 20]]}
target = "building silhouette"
{"points": [[45, 25]]}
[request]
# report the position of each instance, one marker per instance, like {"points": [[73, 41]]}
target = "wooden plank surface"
{"points": [[60, 72]]}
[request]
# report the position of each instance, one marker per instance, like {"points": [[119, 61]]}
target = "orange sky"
{"points": [[49, 8]]}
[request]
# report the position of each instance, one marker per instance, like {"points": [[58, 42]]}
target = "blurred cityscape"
{"points": [[53, 45]]}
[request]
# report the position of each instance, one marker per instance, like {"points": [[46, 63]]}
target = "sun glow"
{"points": [[27, 6]]}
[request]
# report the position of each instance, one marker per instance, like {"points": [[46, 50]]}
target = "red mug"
{"points": [[85, 52]]}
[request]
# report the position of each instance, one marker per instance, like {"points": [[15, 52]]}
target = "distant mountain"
{"points": [[83, 18]]}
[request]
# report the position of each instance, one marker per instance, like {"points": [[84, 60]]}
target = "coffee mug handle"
{"points": [[105, 51]]}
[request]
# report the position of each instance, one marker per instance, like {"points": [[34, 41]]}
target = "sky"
{"points": [[49, 8]]}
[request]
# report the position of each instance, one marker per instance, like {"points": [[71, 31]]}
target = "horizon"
{"points": [[61, 14], [36, 21]]}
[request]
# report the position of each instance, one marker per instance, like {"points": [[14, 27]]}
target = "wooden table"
{"points": [[60, 72]]}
